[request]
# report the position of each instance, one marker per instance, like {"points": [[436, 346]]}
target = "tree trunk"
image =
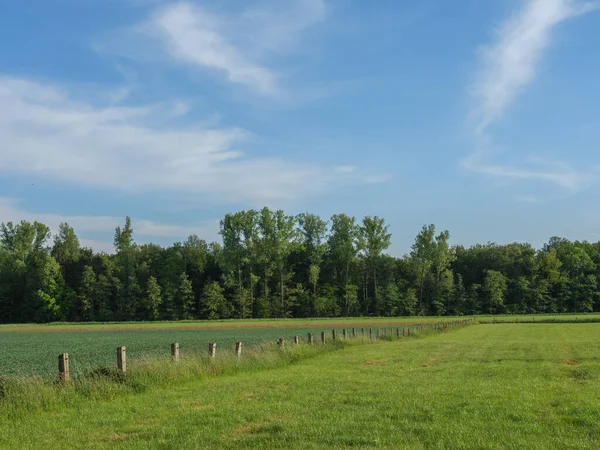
{"points": [[421, 290], [347, 299], [281, 285], [266, 291], [366, 285], [251, 294], [375, 288]]}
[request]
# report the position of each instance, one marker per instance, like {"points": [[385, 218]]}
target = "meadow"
{"points": [[482, 386]]}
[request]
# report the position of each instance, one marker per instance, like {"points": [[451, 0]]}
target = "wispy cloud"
{"points": [[192, 35], [558, 173], [236, 45], [144, 230], [508, 66], [48, 132]]}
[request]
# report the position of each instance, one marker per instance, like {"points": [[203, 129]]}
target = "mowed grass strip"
{"points": [[485, 386]]}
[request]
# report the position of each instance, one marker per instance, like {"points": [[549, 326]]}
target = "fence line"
{"points": [[407, 331]]}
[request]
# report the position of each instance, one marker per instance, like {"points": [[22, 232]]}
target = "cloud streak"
{"points": [[48, 132], [192, 35], [507, 67], [237, 45]]}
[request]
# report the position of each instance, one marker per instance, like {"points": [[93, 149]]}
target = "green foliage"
{"points": [[275, 265], [213, 301], [494, 290], [408, 302], [87, 293], [66, 245], [153, 299], [391, 300], [185, 297]]}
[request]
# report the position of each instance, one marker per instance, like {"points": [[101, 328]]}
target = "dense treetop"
{"points": [[270, 264]]}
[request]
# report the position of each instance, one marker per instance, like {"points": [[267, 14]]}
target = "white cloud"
{"points": [[236, 44], [277, 26], [10, 211], [45, 131], [192, 35], [556, 172], [507, 67]]}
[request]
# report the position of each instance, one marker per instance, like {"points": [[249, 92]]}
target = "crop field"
{"points": [[484, 386], [30, 353], [32, 350]]}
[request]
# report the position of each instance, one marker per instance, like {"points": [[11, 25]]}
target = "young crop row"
{"points": [[34, 354]]}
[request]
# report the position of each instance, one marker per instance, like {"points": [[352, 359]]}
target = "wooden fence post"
{"points": [[397, 332], [362, 332], [175, 351], [322, 337], [296, 340], [212, 349], [238, 349], [344, 334], [333, 334], [353, 332], [63, 368], [121, 359], [371, 333], [378, 334], [281, 342], [310, 339]]}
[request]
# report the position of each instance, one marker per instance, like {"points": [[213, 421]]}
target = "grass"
{"points": [[485, 386]]}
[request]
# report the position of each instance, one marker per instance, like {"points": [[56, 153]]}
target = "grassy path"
{"points": [[486, 386]]}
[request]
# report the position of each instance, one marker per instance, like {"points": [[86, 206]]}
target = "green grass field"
{"points": [[483, 386]]}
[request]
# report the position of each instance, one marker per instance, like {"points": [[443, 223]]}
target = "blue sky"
{"points": [[479, 116]]}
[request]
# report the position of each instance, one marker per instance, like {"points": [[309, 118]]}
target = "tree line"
{"points": [[270, 264]]}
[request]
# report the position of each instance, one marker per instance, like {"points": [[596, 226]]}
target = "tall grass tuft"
{"points": [[20, 396]]}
